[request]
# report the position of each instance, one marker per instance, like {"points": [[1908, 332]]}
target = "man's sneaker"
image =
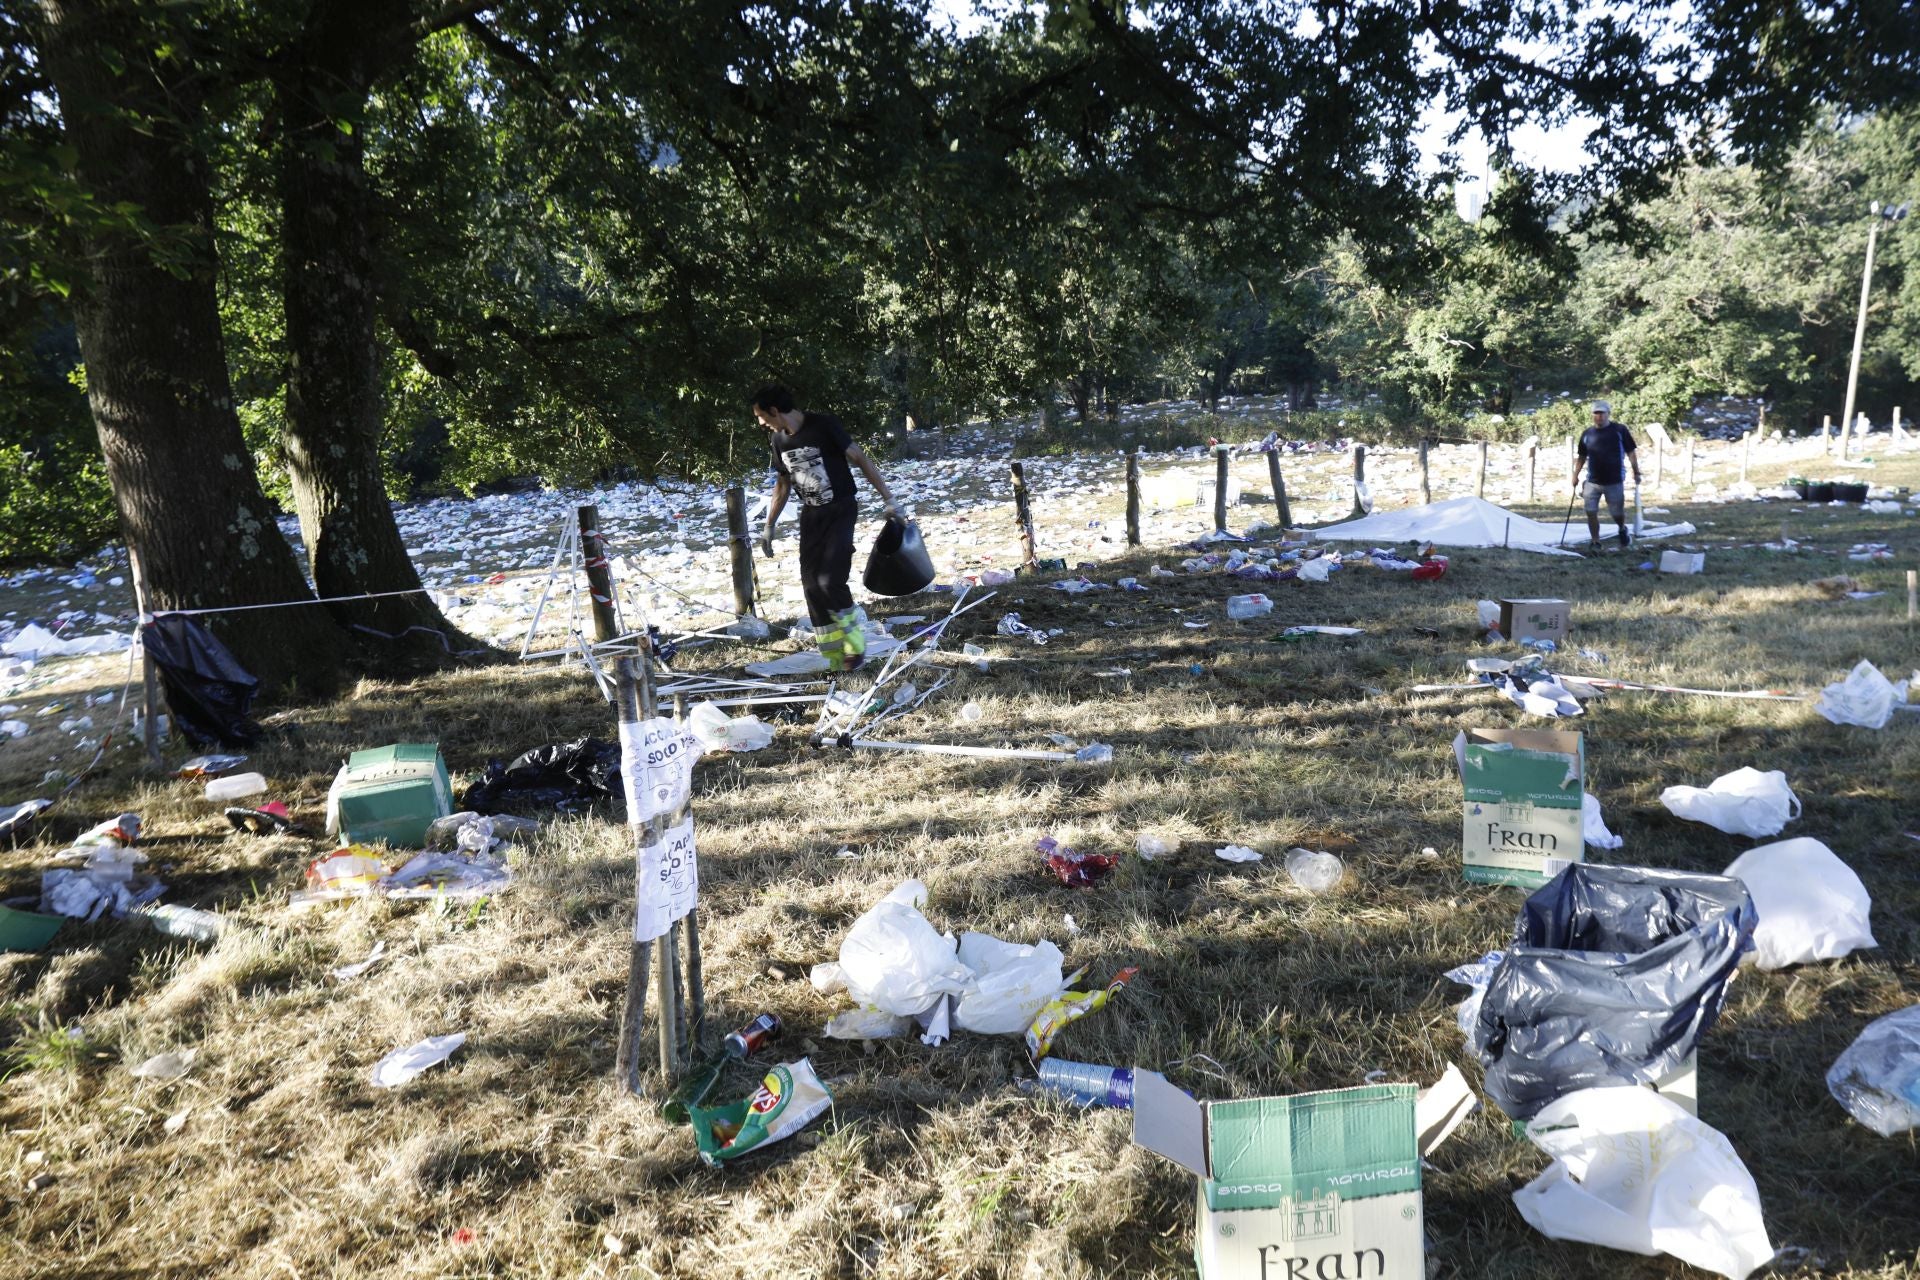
{"points": [[1593, 546], [1626, 539]]}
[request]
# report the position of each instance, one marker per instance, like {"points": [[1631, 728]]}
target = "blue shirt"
{"points": [[1605, 450]]}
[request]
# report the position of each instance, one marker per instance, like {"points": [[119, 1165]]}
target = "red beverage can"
{"points": [[748, 1039]]}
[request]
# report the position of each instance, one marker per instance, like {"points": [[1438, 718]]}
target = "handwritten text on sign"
{"points": [[656, 763]]}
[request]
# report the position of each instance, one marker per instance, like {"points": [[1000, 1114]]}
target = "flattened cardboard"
{"points": [[1521, 819], [1535, 619]]}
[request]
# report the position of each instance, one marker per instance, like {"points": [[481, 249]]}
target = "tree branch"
{"points": [[511, 53]]}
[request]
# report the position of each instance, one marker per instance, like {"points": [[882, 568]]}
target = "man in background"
{"points": [[1606, 449], [814, 456]]}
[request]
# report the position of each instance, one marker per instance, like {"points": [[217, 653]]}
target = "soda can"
{"points": [[748, 1039]]}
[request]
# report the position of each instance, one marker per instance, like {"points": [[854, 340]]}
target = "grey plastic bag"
{"points": [[1613, 976]]}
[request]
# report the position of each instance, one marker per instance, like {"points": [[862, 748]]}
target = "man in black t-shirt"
{"points": [[1606, 449], [814, 456]]}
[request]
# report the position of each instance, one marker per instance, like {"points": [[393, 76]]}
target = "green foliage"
{"points": [[55, 502]]}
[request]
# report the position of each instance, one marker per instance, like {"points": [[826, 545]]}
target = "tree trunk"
{"points": [[157, 384], [1083, 396], [334, 394]]}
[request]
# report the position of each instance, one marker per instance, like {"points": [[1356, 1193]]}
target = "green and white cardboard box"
{"points": [[390, 793], [1521, 821], [1315, 1186]]}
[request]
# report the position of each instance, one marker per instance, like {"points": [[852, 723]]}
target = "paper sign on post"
{"points": [[656, 764], [667, 883]]}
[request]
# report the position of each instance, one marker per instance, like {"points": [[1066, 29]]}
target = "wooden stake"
{"points": [[1659, 461], [1023, 514], [1746, 450], [1220, 488], [149, 674], [1898, 434], [1533, 459], [740, 548], [1279, 482], [1913, 594], [1686, 442], [1826, 433], [1133, 499], [1426, 476], [1480, 473], [1359, 479]]}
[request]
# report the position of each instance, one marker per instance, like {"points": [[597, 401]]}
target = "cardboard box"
{"points": [[1316, 1184], [390, 793], [1535, 620], [1683, 561], [1521, 820]]}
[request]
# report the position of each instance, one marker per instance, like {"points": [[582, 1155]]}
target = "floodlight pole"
{"points": [[1891, 214]]}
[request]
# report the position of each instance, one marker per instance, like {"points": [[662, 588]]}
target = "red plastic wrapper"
{"points": [[1432, 571], [1076, 870]]}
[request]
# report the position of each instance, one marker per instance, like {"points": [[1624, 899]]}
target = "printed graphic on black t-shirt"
{"points": [[814, 458]]}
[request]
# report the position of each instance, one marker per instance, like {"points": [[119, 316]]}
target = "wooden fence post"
{"points": [[1133, 499], [634, 702], [740, 547], [1359, 479], [1219, 488], [1023, 514], [1659, 461], [1898, 434], [1746, 452], [1533, 461], [1279, 482], [1686, 472], [1480, 473], [1426, 477], [1826, 434]]}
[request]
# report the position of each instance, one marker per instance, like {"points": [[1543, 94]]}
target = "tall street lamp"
{"points": [[1890, 213]]}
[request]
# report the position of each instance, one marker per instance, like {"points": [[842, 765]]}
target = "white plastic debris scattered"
{"points": [[1237, 853], [807, 662], [405, 1064], [1745, 802], [1811, 905], [1631, 1170], [1314, 872], [1150, 847], [164, 1067], [1593, 827], [1877, 1077], [1865, 698], [348, 972]]}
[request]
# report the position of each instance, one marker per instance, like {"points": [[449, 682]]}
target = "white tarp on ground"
{"points": [[1475, 522]]}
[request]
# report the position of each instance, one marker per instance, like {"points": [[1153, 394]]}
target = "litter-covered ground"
{"points": [[194, 1108]]}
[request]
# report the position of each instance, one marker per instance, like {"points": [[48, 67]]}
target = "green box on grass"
{"points": [[1521, 821], [1315, 1184], [390, 793]]}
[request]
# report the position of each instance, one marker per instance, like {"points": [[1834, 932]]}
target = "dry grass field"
{"points": [[519, 1158]]}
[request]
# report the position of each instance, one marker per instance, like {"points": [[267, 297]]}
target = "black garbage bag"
{"points": [[567, 776], [208, 691], [1613, 976], [899, 564]]}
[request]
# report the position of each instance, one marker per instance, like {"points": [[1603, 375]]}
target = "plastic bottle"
{"points": [[239, 786], [1253, 606], [1088, 1083], [971, 713], [181, 922], [1314, 872]]}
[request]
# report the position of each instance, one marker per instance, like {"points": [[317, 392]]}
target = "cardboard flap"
{"points": [[1169, 1123], [1441, 1108]]}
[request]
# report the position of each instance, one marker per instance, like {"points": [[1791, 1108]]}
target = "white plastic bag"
{"points": [[748, 733], [711, 725], [1011, 983], [1316, 570], [1865, 698], [1812, 906], [1877, 1079], [1745, 802], [1593, 827], [1633, 1171], [893, 960]]}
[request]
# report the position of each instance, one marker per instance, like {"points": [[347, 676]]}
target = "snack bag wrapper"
{"points": [[1069, 1005], [789, 1098]]}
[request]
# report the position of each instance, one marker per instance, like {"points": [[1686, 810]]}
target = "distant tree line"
{"points": [[314, 254]]}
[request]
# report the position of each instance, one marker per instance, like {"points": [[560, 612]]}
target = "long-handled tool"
{"points": [[1566, 523]]}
